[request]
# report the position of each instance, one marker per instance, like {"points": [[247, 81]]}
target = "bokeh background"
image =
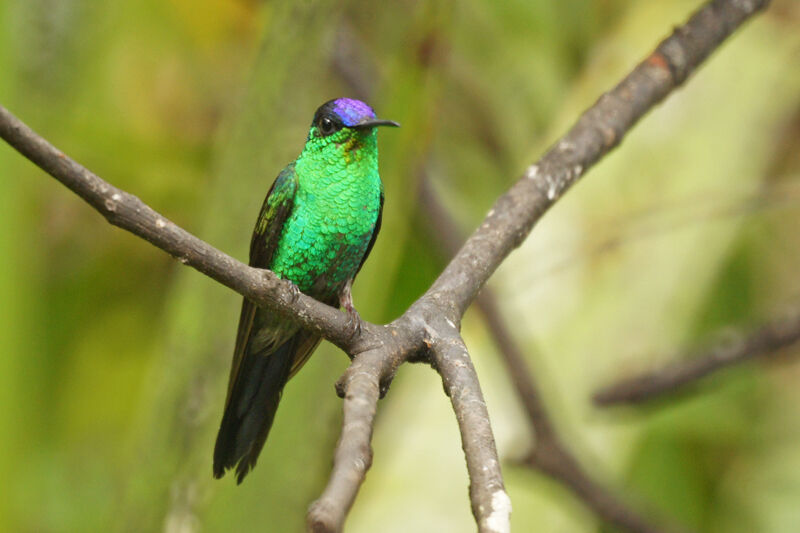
{"points": [[114, 358]]}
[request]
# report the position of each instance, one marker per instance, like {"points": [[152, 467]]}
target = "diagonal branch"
{"points": [[763, 342], [597, 132], [491, 505], [550, 455], [353, 452], [509, 222], [128, 212]]}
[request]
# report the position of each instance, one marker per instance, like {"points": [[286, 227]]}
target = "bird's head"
{"points": [[344, 124]]}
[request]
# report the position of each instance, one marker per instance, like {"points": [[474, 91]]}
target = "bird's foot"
{"points": [[353, 322], [353, 318], [294, 292]]}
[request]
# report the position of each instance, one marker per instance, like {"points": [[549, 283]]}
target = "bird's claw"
{"points": [[294, 292], [353, 318], [353, 321]]}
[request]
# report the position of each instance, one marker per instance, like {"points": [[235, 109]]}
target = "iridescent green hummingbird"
{"points": [[316, 228]]}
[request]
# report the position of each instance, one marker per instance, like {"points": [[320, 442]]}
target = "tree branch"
{"points": [[549, 455], [732, 350], [353, 452], [598, 130], [128, 212], [491, 506], [363, 383]]}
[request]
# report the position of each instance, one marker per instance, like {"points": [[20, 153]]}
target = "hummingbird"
{"points": [[316, 228]]}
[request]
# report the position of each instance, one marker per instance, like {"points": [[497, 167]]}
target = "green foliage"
{"points": [[115, 358]]}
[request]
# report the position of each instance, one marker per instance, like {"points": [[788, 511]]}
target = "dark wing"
{"points": [[276, 209], [305, 343], [374, 234]]}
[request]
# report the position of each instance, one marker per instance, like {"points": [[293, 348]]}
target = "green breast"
{"points": [[335, 211]]}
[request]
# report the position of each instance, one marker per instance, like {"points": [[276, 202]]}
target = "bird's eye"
{"points": [[327, 126]]}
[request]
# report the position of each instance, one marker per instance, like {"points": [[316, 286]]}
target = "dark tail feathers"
{"points": [[250, 410]]}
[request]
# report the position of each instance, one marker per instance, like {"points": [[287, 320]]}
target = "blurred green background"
{"points": [[114, 358]]}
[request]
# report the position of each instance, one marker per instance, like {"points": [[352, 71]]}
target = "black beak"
{"points": [[373, 122]]}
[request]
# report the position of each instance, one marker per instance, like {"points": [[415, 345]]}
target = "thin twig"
{"points": [[732, 350]]}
